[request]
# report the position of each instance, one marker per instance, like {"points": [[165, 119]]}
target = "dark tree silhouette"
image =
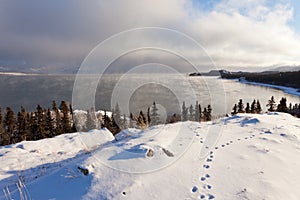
{"points": [[234, 110], [247, 109], [240, 106], [191, 113], [253, 107], [258, 107], [184, 112], [58, 124], [65, 119], [154, 115], [282, 106], [271, 104], [10, 127]]}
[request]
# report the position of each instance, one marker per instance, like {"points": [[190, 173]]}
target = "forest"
{"points": [[48, 123], [288, 79]]}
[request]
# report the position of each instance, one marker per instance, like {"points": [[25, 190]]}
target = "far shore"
{"points": [[288, 90]]}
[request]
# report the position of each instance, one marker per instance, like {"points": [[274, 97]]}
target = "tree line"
{"points": [[35, 125], [151, 117], [272, 106], [47, 123]]}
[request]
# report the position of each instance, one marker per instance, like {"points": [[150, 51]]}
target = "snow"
{"points": [[288, 90], [247, 156]]}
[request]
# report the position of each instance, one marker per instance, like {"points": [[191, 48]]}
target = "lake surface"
{"points": [[135, 92]]}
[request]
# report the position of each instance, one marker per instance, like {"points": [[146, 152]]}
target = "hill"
{"points": [[247, 156]]}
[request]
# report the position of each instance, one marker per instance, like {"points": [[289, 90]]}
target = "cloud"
{"points": [[61, 33]]}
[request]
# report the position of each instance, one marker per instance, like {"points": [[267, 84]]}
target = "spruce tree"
{"points": [[154, 115], [58, 123], [72, 120], [142, 121], [90, 123], [124, 122], [191, 113], [208, 113], [21, 123], [197, 113], [205, 114], [65, 120], [41, 122], [282, 106], [184, 112], [131, 119], [253, 107], [10, 127], [200, 113], [116, 115], [1, 129], [234, 110], [240, 106], [33, 126], [271, 104], [247, 109], [258, 107], [49, 124]]}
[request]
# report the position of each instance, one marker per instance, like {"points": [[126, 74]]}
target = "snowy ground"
{"points": [[288, 90], [240, 157]]}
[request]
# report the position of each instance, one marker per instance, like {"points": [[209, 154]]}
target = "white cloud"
{"points": [[234, 32]]}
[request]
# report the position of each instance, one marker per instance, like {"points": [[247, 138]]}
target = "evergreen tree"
{"points": [[148, 117], [10, 127], [253, 107], [58, 123], [33, 126], [205, 114], [208, 114], [184, 112], [116, 115], [154, 115], [282, 106], [115, 127], [258, 107], [72, 120], [197, 113], [191, 113], [106, 121], [23, 125], [131, 119], [90, 123], [1, 129], [142, 121], [49, 124], [271, 104], [240, 106], [124, 123], [234, 110], [41, 123], [247, 109], [200, 113], [65, 119]]}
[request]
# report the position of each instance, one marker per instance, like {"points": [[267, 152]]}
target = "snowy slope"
{"points": [[240, 157]]}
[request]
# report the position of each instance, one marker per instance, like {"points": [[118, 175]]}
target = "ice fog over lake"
{"points": [[136, 91]]}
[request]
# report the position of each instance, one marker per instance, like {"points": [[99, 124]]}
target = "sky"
{"points": [[56, 36]]}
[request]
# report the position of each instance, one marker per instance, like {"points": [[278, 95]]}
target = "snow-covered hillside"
{"points": [[240, 157]]}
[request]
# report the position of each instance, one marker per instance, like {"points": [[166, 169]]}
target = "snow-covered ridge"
{"points": [[255, 157]]}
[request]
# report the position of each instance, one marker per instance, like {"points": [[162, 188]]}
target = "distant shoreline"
{"points": [[288, 90]]}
